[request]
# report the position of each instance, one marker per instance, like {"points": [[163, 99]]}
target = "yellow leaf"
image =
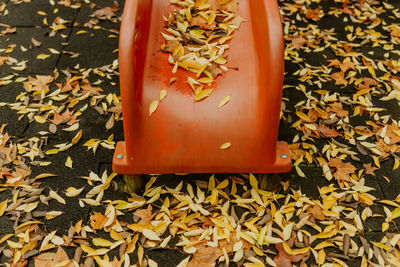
{"points": [[29, 207], [53, 51], [153, 106], [385, 226], [14, 245], [150, 183], [213, 197], [203, 94], [68, 162], [396, 164], [205, 80], [81, 32], [100, 242], [321, 92], [52, 214], [73, 192], [40, 119], [93, 252], [395, 214], [72, 128], [151, 235], [225, 145], [28, 223], [324, 244], [3, 207], [223, 184], [380, 245], [211, 183], [253, 181], [42, 56], [58, 27], [116, 236], [44, 175], [294, 251], [220, 60], [4, 238], [52, 151], [371, 70], [328, 234], [224, 101], [77, 137], [56, 196], [389, 202], [321, 257], [303, 116], [299, 171], [87, 249], [163, 94], [376, 161], [184, 262]]}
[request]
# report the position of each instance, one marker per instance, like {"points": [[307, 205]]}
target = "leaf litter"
{"points": [[342, 125]]}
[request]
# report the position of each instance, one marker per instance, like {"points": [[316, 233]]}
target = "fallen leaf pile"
{"points": [[340, 206], [196, 38]]}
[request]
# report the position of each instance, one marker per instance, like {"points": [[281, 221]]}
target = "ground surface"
{"points": [[60, 114]]}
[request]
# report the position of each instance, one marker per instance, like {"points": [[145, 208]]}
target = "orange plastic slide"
{"points": [[184, 136]]}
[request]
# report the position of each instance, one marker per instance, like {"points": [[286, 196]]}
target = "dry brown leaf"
{"points": [[339, 78], [9, 30], [314, 14], [65, 117], [105, 13], [369, 169], [337, 108], [39, 83], [316, 212], [343, 169], [50, 259], [98, 220], [205, 257], [35, 42], [283, 259], [145, 215], [298, 42], [328, 132]]}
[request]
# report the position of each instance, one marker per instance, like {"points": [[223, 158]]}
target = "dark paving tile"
{"points": [[6, 226], [113, 193], [314, 180], [309, 185], [390, 189], [14, 127], [26, 13], [23, 38], [10, 91], [373, 224], [95, 49], [83, 162], [86, 14], [72, 213], [91, 123], [166, 257]]}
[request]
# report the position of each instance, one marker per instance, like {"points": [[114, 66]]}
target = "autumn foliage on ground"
{"points": [[339, 114]]}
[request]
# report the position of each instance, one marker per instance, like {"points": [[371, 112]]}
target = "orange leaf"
{"points": [[98, 220], [343, 170]]}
